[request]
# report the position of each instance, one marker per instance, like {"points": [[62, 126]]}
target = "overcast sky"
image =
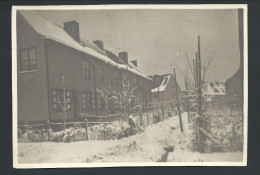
{"points": [[159, 39]]}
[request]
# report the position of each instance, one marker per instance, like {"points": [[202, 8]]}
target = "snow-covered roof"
{"points": [[163, 84], [55, 32], [214, 88]]}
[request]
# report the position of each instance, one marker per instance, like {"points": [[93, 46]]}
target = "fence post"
{"points": [[140, 119], [86, 126], [48, 127], [147, 119]]}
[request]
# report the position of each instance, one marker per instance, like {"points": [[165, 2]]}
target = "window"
{"points": [[123, 76], [93, 101], [140, 82], [28, 59], [116, 77], [100, 74], [102, 103], [86, 101], [86, 70], [58, 99], [135, 81]]}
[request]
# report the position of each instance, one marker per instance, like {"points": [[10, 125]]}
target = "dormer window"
{"points": [[28, 60]]}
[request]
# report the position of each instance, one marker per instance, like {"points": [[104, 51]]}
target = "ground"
{"points": [[158, 143]]}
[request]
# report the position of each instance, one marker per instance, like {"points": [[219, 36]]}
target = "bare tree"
{"points": [[63, 104]]}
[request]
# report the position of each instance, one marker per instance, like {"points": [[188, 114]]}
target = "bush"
{"points": [[32, 135]]}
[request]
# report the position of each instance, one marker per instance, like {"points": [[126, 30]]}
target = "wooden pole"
{"points": [[140, 116], [95, 88], [178, 104], [197, 71], [199, 78], [86, 127], [187, 99], [200, 93], [64, 106], [147, 119], [194, 69], [49, 127]]}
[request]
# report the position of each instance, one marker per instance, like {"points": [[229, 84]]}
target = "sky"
{"points": [[160, 39]]}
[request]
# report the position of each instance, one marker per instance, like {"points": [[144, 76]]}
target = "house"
{"points": [[214, 89], [51, 58], [234, 86], [164, 89]]}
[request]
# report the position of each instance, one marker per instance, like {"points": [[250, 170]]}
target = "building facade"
{"points": [[164, 89], [52, 60]]}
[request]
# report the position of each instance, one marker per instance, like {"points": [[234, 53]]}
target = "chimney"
{"points": [[72, 28], [99, 43], [123, 56], [134, 62]]}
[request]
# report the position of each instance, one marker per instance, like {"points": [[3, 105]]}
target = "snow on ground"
{"points": [[60, 152], [148, 146], [188, 156]]}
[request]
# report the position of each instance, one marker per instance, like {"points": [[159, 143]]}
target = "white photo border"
{"points": [[126, 164]]}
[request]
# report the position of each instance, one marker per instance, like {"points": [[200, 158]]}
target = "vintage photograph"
{"points": [[129, 85]]}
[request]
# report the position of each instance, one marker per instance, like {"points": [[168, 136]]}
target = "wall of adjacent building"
{"points": [[31, 86]]}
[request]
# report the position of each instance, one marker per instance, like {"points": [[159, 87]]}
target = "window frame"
{"points": [[30, 66], [59, 94], [116, 77], [140, 82], [88, 101], [86, 69], [135, 81], [100, 73]]}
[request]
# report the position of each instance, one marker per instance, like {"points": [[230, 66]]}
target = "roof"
{"points": [[214, 88], [163, 84], [50, 30]]}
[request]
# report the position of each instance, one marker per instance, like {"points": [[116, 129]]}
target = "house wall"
{"points": [[169, 94], [67, 62], [31, 86], [170, 91], [34, 101], [233, 85]]}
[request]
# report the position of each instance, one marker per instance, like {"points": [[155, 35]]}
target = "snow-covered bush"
{"points": [[32, 135], [115, 130]]}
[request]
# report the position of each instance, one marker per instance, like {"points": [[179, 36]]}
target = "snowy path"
{"points": [[148, 146]]}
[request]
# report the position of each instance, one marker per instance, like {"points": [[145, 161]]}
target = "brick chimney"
{"points": [[134, 62], [72, 28], [123, 56], [99, 43]]}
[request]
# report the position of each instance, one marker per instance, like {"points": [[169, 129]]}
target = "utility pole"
{"points": [[199, 79], [178, 104], [187, 99], [200, 149], [64, 106], [95, 87], [197, 70], [128, 88]]}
